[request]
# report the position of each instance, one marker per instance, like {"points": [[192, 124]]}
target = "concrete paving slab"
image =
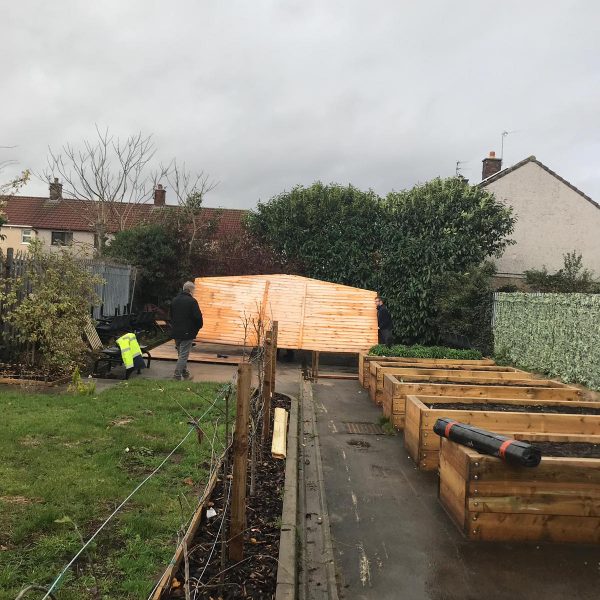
{"points": [[393, 539]]}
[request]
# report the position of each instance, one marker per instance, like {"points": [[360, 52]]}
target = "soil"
{"points": [[19, 371], [568, 449], [493, 382], [256, 575], [532, 408]]}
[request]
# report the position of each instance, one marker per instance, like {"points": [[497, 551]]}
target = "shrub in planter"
{"points": [[425, 352]]}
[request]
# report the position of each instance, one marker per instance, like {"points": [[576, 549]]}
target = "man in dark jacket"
{"points": [[186, 321], [384, 322]]}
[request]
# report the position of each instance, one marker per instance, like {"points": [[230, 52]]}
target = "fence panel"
{"points": [[558, 334], [115, 291]]}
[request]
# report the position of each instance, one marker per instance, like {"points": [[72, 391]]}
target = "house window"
{"points": [[62, 238], [26, 235]]}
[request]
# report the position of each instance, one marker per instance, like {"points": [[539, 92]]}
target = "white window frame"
{"points": [[29, 237]]}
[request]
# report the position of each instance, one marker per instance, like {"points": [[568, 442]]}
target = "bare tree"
{"points": [[190, 190], [11, 187], [109, 176]]}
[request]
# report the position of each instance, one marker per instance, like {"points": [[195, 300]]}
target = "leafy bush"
{"points": [[403, 246], [333, 232], [418, 351], [159, 256], [572, 278], [48, 308], [436, 229], [464, 307]]}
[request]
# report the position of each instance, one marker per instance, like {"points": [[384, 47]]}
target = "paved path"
{"points": [[393, 540]]}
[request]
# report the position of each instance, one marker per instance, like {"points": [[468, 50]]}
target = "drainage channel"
{"points": [[317, 568]]}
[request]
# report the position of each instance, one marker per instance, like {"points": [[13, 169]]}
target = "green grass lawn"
{"points": [[78, 457]]}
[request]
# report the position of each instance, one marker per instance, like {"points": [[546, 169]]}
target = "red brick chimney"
{"points": [[55, 191], [491, 165], [160, 195]]}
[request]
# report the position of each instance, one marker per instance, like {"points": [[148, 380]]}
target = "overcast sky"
{"points": [[265, 95]]}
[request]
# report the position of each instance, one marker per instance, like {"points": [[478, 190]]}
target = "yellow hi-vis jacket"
{"points": [[130, 348]]}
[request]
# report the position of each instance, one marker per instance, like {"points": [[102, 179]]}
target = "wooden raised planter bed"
{"points": [[557, 501], [395, 393], [378, 370], [364, 360], [423, 444]]}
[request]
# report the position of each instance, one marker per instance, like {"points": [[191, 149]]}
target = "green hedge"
{"points": [[425, 352], [557, 334]]}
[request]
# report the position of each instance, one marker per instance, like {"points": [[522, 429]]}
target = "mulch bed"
{"points": [[568, 449], [256, 575], [24, 373], [533, 408]]}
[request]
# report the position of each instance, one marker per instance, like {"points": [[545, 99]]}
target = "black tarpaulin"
{"points": [[488, 442]]}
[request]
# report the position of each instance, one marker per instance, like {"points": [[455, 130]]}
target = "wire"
{"points": [[217, 536], [91, 539]]}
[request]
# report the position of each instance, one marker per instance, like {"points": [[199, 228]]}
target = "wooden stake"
{"points": [[240, 463], [266, 390], [315, 365], [274, 335]]}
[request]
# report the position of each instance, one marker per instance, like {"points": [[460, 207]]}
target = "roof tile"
{"points": [[72, 215]]}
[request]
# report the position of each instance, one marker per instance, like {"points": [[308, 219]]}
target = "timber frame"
{"points": [[487, 499], [395, 393], [423, 444]]}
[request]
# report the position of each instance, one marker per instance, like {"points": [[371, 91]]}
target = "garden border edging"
{"points": [[287, 580]]}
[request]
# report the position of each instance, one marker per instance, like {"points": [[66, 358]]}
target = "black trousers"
{"points": [[385, 336]]}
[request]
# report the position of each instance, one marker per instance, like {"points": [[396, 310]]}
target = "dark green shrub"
{"points": [[418, 351]]}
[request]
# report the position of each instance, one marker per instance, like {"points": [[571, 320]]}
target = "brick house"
{"points": [[59, 221]]}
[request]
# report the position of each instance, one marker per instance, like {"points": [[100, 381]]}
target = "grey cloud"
{"points": [[266, 95]]}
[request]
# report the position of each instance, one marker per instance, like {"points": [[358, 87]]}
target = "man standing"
{"points": [[384, 322], [186, 321]]}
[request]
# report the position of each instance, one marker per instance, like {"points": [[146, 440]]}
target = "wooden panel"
{"points": [[312, 314], [486, 372], [474, 378], [388, 396], [557, 501], [279, 442], [425, 363], [362, 363], [556, 437], [563, 502], [524, 527], [500, 422], [412, 431], [529, 487], [441, 400], [453, 484], [551, 469], [431, 361], [398, 421], [488, 391]]}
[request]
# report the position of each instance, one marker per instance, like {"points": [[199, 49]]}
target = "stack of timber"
{"points": [[312, 314], [490, 500], [396, 391], [423, 445], [377, 371], [365, 359]]}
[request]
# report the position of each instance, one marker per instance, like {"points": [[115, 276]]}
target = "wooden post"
{"points": [[266, 389], [315, 365], [240, 463], [274, 335]]}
